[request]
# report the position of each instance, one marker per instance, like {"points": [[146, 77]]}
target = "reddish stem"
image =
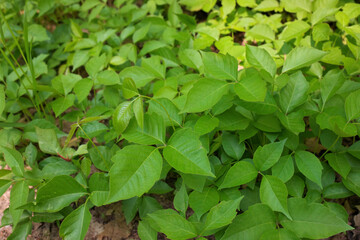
{"points": [[64, 158]]}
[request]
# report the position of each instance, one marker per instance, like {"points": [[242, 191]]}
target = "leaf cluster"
{"points": [[248, 117]]}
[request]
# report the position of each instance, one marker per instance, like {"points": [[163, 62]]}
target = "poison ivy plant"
{"points": [[243, 114]]}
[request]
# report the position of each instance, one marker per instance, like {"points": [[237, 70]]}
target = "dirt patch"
{"points": [[4, 204]]}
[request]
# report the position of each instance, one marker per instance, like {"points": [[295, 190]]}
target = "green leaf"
{"points": [[62, 103], [191, 58], [201, 202], [167, 109], [302, 57], [139, 75], [352, 181], [181, 199], [240, 173], [48, 141], [336, 190], [139, 112], [155, 64], [279, 234], [273, 192], [261, 32], [14, 160], [185, 153], [76, 224], [205, 124], [352, 105], [108, 77], [136, 169], [321, 13], [331, 82], [251, 224], [309, 165], [65, 83], [231, 120], [95, 65], [294, 29], [37, 33], [121, 117], [260, 58], [205, 94], [82, 88], [339, 162], [140, 33], [218, 66], [228, 6], [99, 188], [265, 157], [56, 194], [222, 214], [2, 99], [321, 32], [250, 86], [129, 88], [21, 230], [284, 168], [145, 231], [153, 131], [312, 220], [294, 93], [168, 221], [18, 197], [4, 185], [232, 146]]}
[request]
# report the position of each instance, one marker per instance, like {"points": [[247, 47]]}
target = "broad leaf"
{"points": [[294, 29], [18, 197], [232, 146], [222, 214], [181, 199], [153, 131], [301, 57], [265, 157], [251, 224], [339, 162], [185, 153], [140, 76], [352, 105], [240, 173], [250, 86], [76, 224], [136, 169], [312, 220], [48, 141], [284, 168], [220, 66], [121, 116], [294, 93], [14, 160], [145, 231], [279, 234], [129, 88], [2, 99], [260, 58], [56, 194], [205, 93], [168, 221], [201, 202], [273, 192], [332, 81], [352, 181], [309, 165]]}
